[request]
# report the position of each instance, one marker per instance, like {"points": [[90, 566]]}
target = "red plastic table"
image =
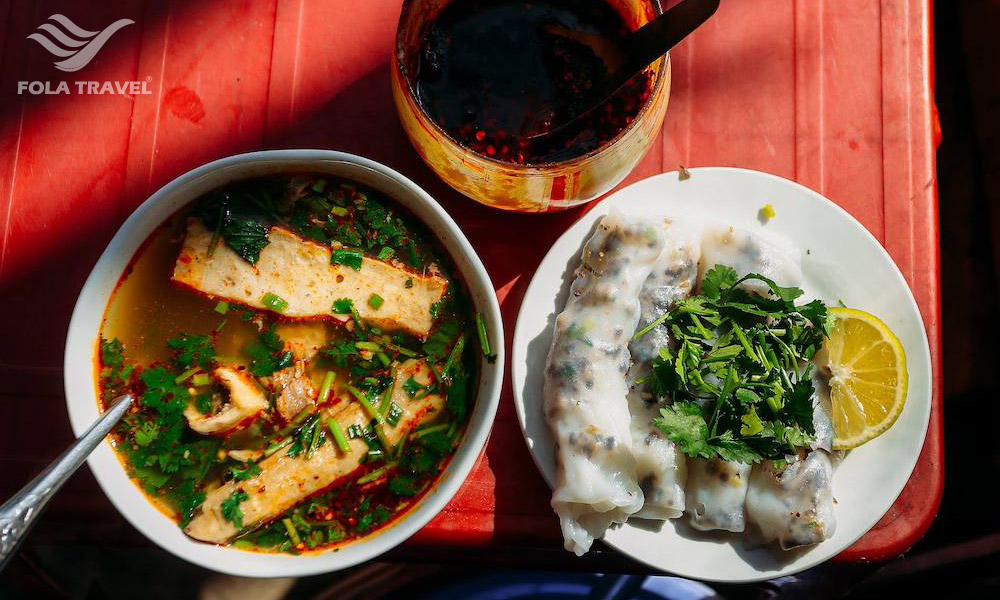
{"points": [[835, 94]]}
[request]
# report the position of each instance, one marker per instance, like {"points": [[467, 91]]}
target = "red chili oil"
{"points": [[492, 72]]}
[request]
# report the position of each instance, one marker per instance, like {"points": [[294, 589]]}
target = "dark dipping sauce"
{"points": [[492, 72]]}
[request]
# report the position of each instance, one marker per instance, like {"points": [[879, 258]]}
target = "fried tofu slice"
{"points": [[285, 481], [299, 272]]}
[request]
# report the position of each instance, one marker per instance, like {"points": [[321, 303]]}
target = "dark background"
{"points": [[958, 558]]}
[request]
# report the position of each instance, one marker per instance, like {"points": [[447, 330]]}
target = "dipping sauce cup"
{"points": [[537, 187]]}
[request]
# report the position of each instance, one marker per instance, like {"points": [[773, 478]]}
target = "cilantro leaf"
{"points": [[458, 397], [818, 315], [799, 404], [342, 353], [735, 450], [411, 387], [403, 485], [343, 306], [192, 350], [267, 353], [242, 472], [231, 510], [684, 424], [438, 345], [717, 280]]}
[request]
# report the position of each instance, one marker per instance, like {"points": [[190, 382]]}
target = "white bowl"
{"points": [[81, 345]]}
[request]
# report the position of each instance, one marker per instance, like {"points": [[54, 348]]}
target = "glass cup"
{"points": [[525, 188]]}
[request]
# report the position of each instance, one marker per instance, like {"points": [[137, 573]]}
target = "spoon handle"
{"points": [[19, 513], [652, 40]]}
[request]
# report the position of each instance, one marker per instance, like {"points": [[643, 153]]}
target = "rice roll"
{"points": [[716, 488], [660, 468], [746, 252], [585, 388], [716, 491], [792, 503]]}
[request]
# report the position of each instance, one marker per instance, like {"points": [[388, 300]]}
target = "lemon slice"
{"points": [[868, 377]]}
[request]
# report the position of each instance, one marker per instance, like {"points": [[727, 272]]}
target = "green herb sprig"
{"points": [[738, 377]]}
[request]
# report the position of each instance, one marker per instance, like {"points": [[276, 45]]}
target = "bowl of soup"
{"points": [[316, 352]]}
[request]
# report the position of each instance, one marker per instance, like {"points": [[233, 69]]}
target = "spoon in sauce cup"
{"points": [[623, 58]]}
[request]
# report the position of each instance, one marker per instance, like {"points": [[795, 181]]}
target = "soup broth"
{"points": [[302, 356]]}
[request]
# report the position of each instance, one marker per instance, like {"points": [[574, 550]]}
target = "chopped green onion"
{"points": [[370, 346], [222, 307], [221, 325], [324, 390], [348, 258], [357, 319], [319, 186], [414, 258], [292, 532], [317, 438], [438, 375], [217, 234], [365, 402], [374, 475], [386, 399], [393, 415], [294, 423], [277, 446], [380, 432], [401, 445], [651, 326], [375, 301], [401, 350], [340, 211], [456, 353], [385, 253], [202, 379], [338, 435], [383, 358], [429, 430], [424, 393], [274, 302], [186, 375], [484, 339]]}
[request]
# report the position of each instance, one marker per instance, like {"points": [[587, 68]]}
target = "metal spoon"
{"points": [[18, 514], [623, 60]]}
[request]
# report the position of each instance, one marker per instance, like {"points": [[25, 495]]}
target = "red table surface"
{"points": [[834, 94]]}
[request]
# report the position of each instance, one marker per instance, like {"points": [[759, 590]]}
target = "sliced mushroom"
{"points": [[246, 401]]}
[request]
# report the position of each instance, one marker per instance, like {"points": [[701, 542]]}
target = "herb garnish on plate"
{"points": [[738, 377]]}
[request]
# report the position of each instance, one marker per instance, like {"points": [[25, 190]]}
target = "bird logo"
{"points": [[70, 42]]}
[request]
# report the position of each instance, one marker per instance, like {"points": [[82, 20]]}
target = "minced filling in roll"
{"points": [[585, 386], [792, 502], [660, 467]]}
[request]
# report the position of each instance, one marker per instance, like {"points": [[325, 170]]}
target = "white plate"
{"points": [[843, 262]]}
